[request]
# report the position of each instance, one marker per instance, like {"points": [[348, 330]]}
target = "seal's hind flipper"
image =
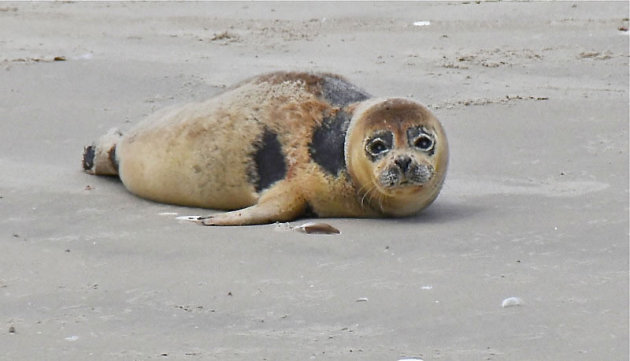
{"points": [[100, 158], [88, 157], [281, 203]]}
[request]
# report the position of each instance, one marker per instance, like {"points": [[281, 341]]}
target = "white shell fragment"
{"points": [[410, 359], [511, 302], [362, 299], [316, 228], [189, 218], [421, 23], [282, 227]]}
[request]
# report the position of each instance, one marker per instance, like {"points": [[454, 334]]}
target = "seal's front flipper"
{"points": [[278, 204]]}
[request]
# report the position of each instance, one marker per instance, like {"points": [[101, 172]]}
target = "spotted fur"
{"points": [[271, 148]]}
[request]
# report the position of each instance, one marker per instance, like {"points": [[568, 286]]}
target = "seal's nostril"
{"points": [[403, 163]]}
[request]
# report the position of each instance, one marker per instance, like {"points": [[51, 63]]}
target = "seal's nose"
{"points": [[403, 163]]}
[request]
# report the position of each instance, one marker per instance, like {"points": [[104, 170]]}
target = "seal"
{"points": [[280, 146]]}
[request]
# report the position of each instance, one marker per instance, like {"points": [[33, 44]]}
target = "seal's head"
{"points": [[397, 154]]}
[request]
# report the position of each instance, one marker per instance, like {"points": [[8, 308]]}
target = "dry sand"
{"points": [[534, 97]]}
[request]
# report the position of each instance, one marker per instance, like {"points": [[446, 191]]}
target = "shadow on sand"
{"points": [[445, 212]]}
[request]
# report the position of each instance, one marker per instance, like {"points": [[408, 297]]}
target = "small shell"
{"points": [[511, 302], [316, 228]]}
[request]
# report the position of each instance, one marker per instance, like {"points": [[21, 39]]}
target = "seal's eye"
{"points": [[423, 142], [377, 146]]}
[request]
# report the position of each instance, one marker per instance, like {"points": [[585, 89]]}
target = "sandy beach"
{"points": [[524, 255]]}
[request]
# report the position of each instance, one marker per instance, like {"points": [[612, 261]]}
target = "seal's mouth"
{"points": [[407, 184], [412, 176]]}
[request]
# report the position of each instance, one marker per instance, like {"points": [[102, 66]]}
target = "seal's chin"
{"points": [[404, 187]]}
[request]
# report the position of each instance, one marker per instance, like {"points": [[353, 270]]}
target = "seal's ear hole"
{"points": [[377, 146], [423, 142]]}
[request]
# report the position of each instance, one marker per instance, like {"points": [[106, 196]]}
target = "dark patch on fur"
{"points": [[112, 157], [269, 160], [309, 212], [88, 157], [327, 145], [339, 92]]}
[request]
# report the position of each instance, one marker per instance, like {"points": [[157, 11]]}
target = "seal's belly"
{"points": [[191, 158]]}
